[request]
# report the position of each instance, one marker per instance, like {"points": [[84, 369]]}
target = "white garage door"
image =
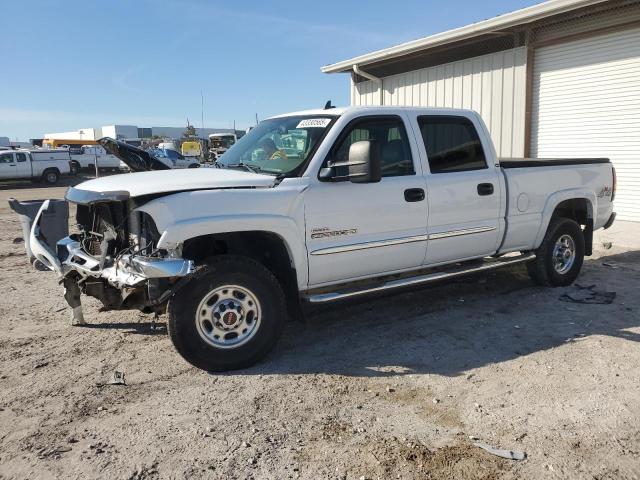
{"points": [[586, 103]]}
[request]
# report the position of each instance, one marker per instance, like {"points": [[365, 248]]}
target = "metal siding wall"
{"points": [[493, 85], [586, 102]]}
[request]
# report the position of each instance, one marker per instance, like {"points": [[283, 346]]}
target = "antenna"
{"points": [[328, 106], [201, 109], [257, 119]]}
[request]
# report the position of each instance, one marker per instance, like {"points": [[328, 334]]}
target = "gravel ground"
{"points": [[391, 387]]}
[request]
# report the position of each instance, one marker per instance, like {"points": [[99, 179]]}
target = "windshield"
{"points": [[278, 145]]}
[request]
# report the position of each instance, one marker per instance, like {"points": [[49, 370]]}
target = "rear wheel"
{"points": [[559, 258], [75, 168], [229, 317], [51, 177]]}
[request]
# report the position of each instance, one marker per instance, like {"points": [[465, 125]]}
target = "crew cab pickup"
{"points": [[38, 165], [320, 206]]}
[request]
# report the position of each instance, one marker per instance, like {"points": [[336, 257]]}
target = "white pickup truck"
{"points": [[87, 156], [365, 200], [38, 165]]}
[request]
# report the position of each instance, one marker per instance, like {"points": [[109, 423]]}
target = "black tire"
{"points": [[75, 168], [194, 165], [221, 271], [542, 270], [50, 177]]}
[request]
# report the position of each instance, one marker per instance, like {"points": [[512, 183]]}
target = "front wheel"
{"points": [[559, 258], [228, 317]]}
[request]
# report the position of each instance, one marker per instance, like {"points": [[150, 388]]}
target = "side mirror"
{"points": [[363, 164]]}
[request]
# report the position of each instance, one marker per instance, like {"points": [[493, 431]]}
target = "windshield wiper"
{"points": [[244, 165]]}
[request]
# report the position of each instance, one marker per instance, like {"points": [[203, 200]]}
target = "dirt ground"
{"points": [[385, 388]]}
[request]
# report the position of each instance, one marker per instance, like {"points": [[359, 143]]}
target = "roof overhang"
{"points": [[501, 22]]}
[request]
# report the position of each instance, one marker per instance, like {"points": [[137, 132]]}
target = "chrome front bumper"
{"points": [[128, 271]]}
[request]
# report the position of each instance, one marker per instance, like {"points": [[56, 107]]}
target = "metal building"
{"points": [[557, 79]]}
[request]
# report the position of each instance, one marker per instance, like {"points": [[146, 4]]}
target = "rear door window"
{"points": [[21, 157], [452, 144]]}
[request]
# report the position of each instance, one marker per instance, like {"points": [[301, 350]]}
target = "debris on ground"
{"points": [[117, 379], [588, 295], [508, 454], [18, 240]]}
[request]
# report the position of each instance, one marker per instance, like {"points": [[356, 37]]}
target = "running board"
{"points": [[491, 264]]}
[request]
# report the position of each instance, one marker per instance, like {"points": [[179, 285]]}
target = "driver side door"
{"points": [[8, 166], [359, 230]]}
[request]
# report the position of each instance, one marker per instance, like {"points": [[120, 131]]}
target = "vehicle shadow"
{"points": [[451, 328], [139, 328]]}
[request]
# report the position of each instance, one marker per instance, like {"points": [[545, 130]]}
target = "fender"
{"points": [[556, 199], [175, 231]]}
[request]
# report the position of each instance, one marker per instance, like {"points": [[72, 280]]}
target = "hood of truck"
{"points": [[130, 185]]}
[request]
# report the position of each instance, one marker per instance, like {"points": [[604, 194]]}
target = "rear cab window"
{"points": [[452, 144]]}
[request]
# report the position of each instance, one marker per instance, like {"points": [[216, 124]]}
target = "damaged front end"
{"points": [[113, 256]]}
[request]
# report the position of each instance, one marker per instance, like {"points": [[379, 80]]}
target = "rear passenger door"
{"points": [[463, 191], [23, 169]]}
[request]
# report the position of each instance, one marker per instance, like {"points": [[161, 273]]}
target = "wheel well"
{"points": [[577, 209], [265, 247]]}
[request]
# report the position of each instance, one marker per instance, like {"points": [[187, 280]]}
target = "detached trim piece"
{"points": [[458, 270], [548, 162], [400, 241]]}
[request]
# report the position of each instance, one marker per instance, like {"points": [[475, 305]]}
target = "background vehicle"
{"points": [[174, 159], [52, 143], [85, 157], [219, 143], [38, 165], [363, 200], [191, 148], [168, 146]]}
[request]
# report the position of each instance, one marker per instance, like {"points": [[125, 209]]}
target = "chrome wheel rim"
{"points": [[564, 254], [51, 177], [228, 316]]}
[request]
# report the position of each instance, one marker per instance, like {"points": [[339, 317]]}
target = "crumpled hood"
{"points": [[121, 187]]}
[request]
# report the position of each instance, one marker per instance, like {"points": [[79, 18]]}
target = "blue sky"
{"points": [[70, 64]]}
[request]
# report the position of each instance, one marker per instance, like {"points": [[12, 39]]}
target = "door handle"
{"points": [[485, 189], [414, 195]]}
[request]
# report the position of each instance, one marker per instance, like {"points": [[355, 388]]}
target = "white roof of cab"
{"points": [[522, 16], [337, 111]]}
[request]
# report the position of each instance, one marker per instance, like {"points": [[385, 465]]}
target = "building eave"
{"points": [[501, 22]]}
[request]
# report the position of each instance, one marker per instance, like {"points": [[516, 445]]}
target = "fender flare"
{"points": [[556, 199]]}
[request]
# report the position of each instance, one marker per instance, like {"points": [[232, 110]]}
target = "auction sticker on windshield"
{"points": [[314, 123]]}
